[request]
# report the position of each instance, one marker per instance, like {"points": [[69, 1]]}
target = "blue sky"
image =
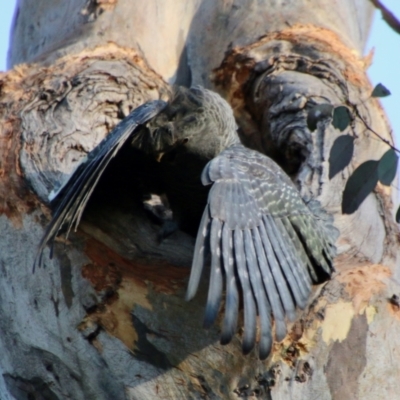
{"points": [[385, 67]]}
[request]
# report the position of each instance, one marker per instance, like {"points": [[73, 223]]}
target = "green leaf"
{"points": [[317, 114], [341, 118], [387, 167], [398, 216], [341, 154], [380, 91], [360, 184]]}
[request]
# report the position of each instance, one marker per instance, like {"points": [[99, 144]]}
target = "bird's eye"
{"points": [[190, 119]]}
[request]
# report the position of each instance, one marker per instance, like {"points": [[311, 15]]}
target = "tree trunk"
{"points": [[106, 317]]}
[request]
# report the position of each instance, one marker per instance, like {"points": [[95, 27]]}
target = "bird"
{"points": [[265, 246]]}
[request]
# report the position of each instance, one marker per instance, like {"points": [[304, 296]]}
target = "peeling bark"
{"points": [[106, 318], [272, 85]]}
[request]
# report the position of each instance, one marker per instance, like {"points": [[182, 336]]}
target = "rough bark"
{"points": [[106, 317]]}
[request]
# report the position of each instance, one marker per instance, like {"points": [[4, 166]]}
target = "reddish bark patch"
{"points": [[15, 197], [124, 284], [164, 277], [102, 277], [363, 282]]}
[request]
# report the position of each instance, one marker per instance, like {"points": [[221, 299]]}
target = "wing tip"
{"points": [[226, 337], [210, 316], [264, 348], [248, 345], [190, 292], [280, 330]]}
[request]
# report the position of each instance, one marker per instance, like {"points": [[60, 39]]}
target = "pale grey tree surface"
{"points": [[106, 318], [266, 244]]}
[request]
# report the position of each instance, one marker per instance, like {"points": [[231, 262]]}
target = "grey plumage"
{"points": [[267, 217], [266, 245]]}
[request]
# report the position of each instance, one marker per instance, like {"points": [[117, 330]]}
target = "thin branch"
{"points": [[374, 132], [388, 16]]}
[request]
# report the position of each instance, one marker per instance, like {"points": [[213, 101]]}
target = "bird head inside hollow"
{"points": [[197, 118]]}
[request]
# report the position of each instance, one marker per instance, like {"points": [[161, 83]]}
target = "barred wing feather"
{"points": [[266, 246]]}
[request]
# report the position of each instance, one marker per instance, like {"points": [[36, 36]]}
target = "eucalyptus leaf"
{"points": [[341, 154], [360, 184], [318, 113], [387, 167], [341, 118], [380, 91]]}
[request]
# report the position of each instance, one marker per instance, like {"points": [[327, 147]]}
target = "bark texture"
{"points": [[106, 318]]}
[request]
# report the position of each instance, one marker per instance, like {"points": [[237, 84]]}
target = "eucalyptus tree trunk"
{"points": [[106, 317]]}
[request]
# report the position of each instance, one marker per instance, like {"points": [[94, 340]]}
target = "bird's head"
{"points": [[197, 118]]}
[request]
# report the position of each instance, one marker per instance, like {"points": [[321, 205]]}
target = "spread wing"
{"points": [[75, 194], [266, 246]]}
